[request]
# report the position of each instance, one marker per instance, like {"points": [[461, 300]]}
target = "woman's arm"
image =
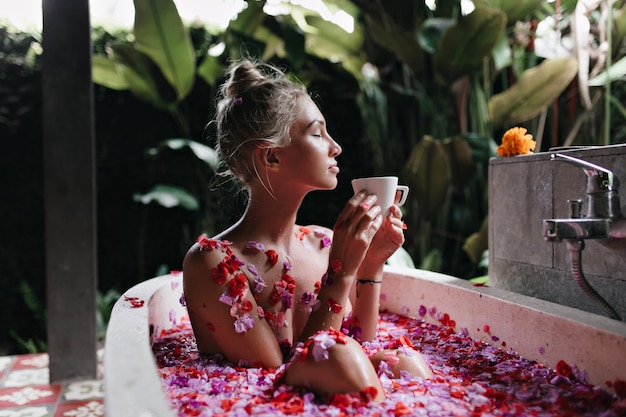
{"points": [[224, 311], [389, 238], [365, 308], [353, 232]]}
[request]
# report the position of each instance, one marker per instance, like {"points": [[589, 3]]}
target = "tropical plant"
{"points": [[437, 85], [36, 341], [159, 67]]}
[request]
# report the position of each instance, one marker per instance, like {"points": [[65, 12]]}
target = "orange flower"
{"points": [[516, 141]]}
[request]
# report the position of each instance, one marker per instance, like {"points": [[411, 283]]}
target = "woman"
{"points": [[267, 291]]}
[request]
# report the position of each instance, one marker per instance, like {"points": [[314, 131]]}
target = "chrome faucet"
{"points": [[603, 206], [603, 220]]}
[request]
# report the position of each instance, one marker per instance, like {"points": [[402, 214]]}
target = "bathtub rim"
{"points": [[586, 333], [133, 386]]}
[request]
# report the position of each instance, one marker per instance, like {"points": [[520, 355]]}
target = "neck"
{"points": [[269, 219]]}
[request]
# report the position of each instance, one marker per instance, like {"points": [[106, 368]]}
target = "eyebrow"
{"points": [[314, 122]]}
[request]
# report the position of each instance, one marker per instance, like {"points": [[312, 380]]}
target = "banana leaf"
{"points": [[249, 19], [105, 72], [464, 45], [242, 36], [404, 45], [335, 44], [160, 34], [144, 78], [428, 174], [536, 89], [462, 165]]}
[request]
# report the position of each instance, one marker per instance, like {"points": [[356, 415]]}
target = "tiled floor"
{"points": [[25, 391]]}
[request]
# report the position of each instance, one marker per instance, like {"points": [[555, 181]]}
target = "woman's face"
{"points": [[309, 160]]}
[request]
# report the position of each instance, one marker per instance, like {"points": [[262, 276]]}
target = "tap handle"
{"points": [[598, 178]]}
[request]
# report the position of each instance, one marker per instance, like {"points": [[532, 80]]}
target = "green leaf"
{"points": [[240, 34], [476, 244], [161, 35], [428, 175], [536, 89], [201, 151], [617, 71], [144, 78], [483, 148], [211, 70], [241, 45], [619, 25], [464, 46], [32, 302], [484, 280], [431, 32], [104, 72], [168, 196], [404, 45], [294, 43], [432, 261], [249, 19], [462, 165], [269, 42], [515, 10], [502, 55], [333, 43]]}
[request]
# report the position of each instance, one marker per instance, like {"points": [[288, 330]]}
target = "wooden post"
{"points": [[69, 190]]}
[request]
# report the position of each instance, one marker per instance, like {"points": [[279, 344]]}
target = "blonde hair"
{"points": [[256, 107]]}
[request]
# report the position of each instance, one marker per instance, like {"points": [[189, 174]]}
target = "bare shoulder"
{"points": [[202, 257], [315, 236]]}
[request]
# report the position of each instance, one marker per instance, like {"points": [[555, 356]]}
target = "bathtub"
{"points": [[536, 329]]}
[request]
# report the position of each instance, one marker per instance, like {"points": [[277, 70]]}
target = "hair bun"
{"points": [[256, 107], [243, 77]]}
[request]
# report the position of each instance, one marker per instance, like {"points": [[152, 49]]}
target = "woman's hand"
{"points": [[358, 223], [385, 242], [388, 239]]}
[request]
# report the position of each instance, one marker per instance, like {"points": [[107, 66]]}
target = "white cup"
{"points": [[384, 188]]}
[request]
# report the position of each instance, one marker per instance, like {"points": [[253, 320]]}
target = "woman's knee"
{"points": [[338, 368], [396, 361]]}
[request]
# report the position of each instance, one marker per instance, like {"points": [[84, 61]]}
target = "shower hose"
{"points": [[575, 248]]}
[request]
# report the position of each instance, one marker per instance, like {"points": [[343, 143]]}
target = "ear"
{"points": [[268, 157]]}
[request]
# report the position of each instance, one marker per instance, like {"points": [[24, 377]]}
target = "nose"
{"points": [[335, 148]]}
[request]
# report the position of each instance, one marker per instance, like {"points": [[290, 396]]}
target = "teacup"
{"points": [[385, 189]]}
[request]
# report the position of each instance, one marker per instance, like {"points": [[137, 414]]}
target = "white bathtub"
{"points": [[536, 329]]}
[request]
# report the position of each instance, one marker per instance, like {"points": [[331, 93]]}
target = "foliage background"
{"points": [[416, 110]]}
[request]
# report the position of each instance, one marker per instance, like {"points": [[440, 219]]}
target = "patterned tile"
{"points": [[25, 390], [24, 377], [32, 395], [5, 363], [39, 411], [88, 408], [31, 361], [83, 390]]}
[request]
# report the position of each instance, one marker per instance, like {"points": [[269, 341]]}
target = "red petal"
{"points": [[272, 256]]}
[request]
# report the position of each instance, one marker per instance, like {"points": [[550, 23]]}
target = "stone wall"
{"points": [[524, 190]]}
